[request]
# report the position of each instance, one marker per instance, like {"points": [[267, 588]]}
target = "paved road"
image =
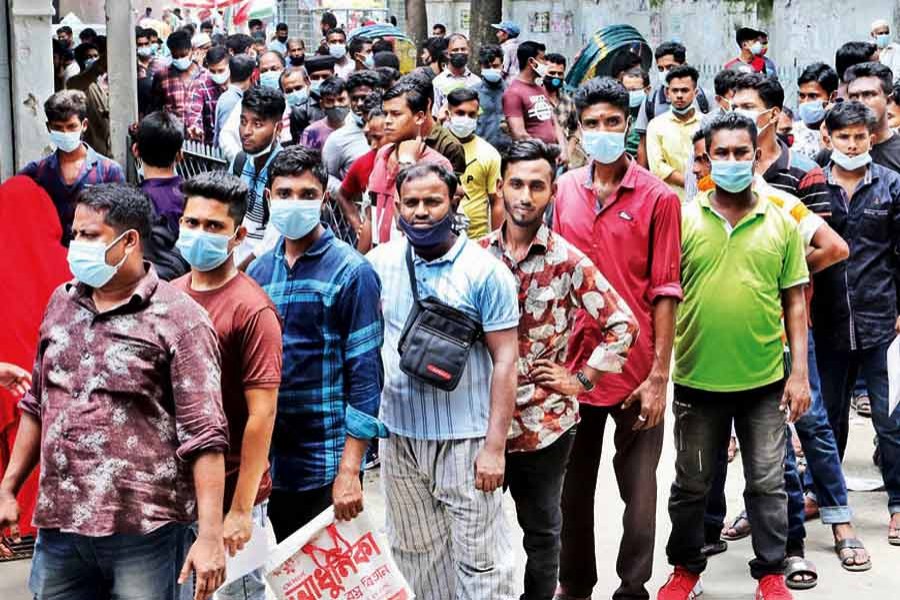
{"points": [[727, 577]]}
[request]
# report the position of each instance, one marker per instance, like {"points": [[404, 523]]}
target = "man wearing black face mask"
{"points": [[296, 52], [456, 75], [563, 106]]}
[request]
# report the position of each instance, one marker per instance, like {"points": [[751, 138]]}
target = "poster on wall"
{"points": [[539, 22], [562, 23]]}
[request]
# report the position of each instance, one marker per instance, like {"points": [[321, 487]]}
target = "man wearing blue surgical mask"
{"points": [[174, 86], [73, 165], [816, 89], [889, 51], [249, 333], [337, 48], [490, 97], [327, 296]]}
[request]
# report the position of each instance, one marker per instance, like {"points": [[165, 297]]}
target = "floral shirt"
{"points": [[555, 281], [126, 399]]}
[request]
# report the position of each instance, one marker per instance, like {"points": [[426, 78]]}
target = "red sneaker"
{"points": [[772, 587], [682, 585]]}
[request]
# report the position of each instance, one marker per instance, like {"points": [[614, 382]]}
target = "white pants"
{"points": [[451, 541]]}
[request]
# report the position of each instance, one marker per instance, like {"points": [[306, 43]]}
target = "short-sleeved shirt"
{"points": [[469, 279], [357, 178], [635, 241], [530, 103], [669, 145], [445, 143], [255, 217], [343, 147], [127, 399], [446, 82], [490, 115], [799, 176], [316, 134], [249, 334], [165, 193], [479, 180], [729, 330], [47, 174]]}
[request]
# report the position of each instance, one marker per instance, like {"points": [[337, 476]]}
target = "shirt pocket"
{"points": [[874, 224]]}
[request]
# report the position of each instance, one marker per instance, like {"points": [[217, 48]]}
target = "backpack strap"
{"points": [[702, 101]]}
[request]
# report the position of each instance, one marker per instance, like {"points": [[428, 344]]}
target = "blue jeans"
{"points": [[838, 373], [69, 566]]}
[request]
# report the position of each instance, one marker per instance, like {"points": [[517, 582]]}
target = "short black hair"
{"points": [[675, 49], [238, 43], [389, 76], [329, 19], [460, 95], [488, 54], [281, 26], [436, 48], [293, 161], [65, 103], [724, 81], [241, 67], [418, 95], [264, 102], [819, 72], [221, 186], [356, 44], [124, 206], [530, 149], [846, 114], [440, 26], [87, 33], [215, 55], [770, 91], [602, 89], [372, 103], [207, 24], [80, 52], [365, 78], [64, 29], [872, 69], [852, 53], [680, 71], [386, 59], [179, 40], [423, 170], [624, 62], [382, 45], [189, 28], [700, 134], [254, 23], [732, 121], [338, 30], [527, 51], [333, 86], [556, 59], [159, 138], [140, 32], [895, 94], [745, 34]]}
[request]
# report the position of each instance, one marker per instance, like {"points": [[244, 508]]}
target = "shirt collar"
{"points": [[694, 117], [783, 163], [141, 295], [317, 249], [451, 255], [629, 180], [869, 177], [758, 209], [541, 241]]}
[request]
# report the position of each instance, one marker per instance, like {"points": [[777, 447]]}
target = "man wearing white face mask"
{"points": [[481, 205], [525, 102], [73, 165], [889, 52], [337, 47], [206, 96], [174, 86], [327, 295]]}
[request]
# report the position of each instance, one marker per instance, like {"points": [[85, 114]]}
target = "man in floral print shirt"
{"points": [[555, 281]]}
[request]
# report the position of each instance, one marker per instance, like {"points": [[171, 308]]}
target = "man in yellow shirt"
{"points": [[480, 204], [669, 135]]}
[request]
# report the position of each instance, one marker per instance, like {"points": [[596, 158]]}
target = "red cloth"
{"points": [[32, 264]]}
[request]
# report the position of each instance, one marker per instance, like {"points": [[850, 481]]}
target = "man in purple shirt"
{"points": [[125, 417], [335, 101]]}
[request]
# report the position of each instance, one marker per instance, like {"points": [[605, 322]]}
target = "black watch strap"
{"points": [[584, 381]]}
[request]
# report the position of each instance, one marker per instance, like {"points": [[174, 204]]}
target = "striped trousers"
{"points": [[451, 541]]}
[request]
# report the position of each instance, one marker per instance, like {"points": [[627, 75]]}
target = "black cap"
{"points": [[319, 62]]}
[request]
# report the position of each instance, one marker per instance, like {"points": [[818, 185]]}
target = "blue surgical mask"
{"points": [[636, 98], [338, 51], [812, 112], [182, 64], [682, 111], [369, 61], [89, 62], [145, 51], [492, 75], [314, 86], [426, 238], [882, 40], [732, 176], [756, 49], [87, 261], [294, 219], [604, 147], [850, 163], [297, 97], [66, 141], [202, 250], [270, 79], [462, 127]]}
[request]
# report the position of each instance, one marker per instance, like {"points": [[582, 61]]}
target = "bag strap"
{"points": [[411, 271]]}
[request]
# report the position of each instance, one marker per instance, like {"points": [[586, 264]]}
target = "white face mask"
{"points": [[66, 141], [462, 127], [850, 163], [220, 78]]}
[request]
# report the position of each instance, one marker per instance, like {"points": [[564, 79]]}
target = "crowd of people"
{"points": [[517, 264]]}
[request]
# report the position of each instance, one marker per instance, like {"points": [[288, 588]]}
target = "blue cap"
{"points": [[509, 27]]}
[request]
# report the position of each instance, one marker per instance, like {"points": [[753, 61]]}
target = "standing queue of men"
{"points": [[223, 358]]}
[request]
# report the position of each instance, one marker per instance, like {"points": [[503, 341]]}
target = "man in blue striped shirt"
{"points": [[327, 296]]}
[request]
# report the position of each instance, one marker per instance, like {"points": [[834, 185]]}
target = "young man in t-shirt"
{"points": [[525, 102], [249, 333]]}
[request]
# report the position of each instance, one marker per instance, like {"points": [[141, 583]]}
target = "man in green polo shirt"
{"points": [[742, 264]]}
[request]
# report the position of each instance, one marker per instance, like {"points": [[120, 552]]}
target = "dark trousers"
{"points": [[289, 511], [702, 428], [535, 481], [635, 462]]}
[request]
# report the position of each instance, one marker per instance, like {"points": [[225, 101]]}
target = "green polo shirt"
{"points": [[728, 334]]}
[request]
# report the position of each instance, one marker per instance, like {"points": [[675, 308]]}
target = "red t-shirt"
{"points": [[249, 332], [357, 177], [530, 102]]}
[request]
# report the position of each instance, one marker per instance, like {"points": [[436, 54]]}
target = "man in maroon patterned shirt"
{"points": [[556, 281], [125, 416], [175, 87]]}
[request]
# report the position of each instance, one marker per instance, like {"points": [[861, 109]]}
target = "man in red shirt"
{"points": [[628, 223], [525, 102]]}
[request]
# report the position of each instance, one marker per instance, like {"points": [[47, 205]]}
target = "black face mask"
{"points": [[458, 61], [553, 83], [297, 61], [282, 39]]}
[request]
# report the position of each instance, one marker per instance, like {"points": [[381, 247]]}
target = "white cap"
{"points": [[201, 39], [880, 23]]}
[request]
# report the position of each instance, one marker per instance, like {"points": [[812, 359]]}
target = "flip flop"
{"points": [[852, 544], [797, 567], [740, 532]]}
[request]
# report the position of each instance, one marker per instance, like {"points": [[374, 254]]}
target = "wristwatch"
{"points": [[584, 381]]}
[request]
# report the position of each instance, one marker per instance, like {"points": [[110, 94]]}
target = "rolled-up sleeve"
{"points": [[665, 250], [197, 391]]}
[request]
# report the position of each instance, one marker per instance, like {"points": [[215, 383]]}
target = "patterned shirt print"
{"points": [[126, 398], [555, 281]]}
